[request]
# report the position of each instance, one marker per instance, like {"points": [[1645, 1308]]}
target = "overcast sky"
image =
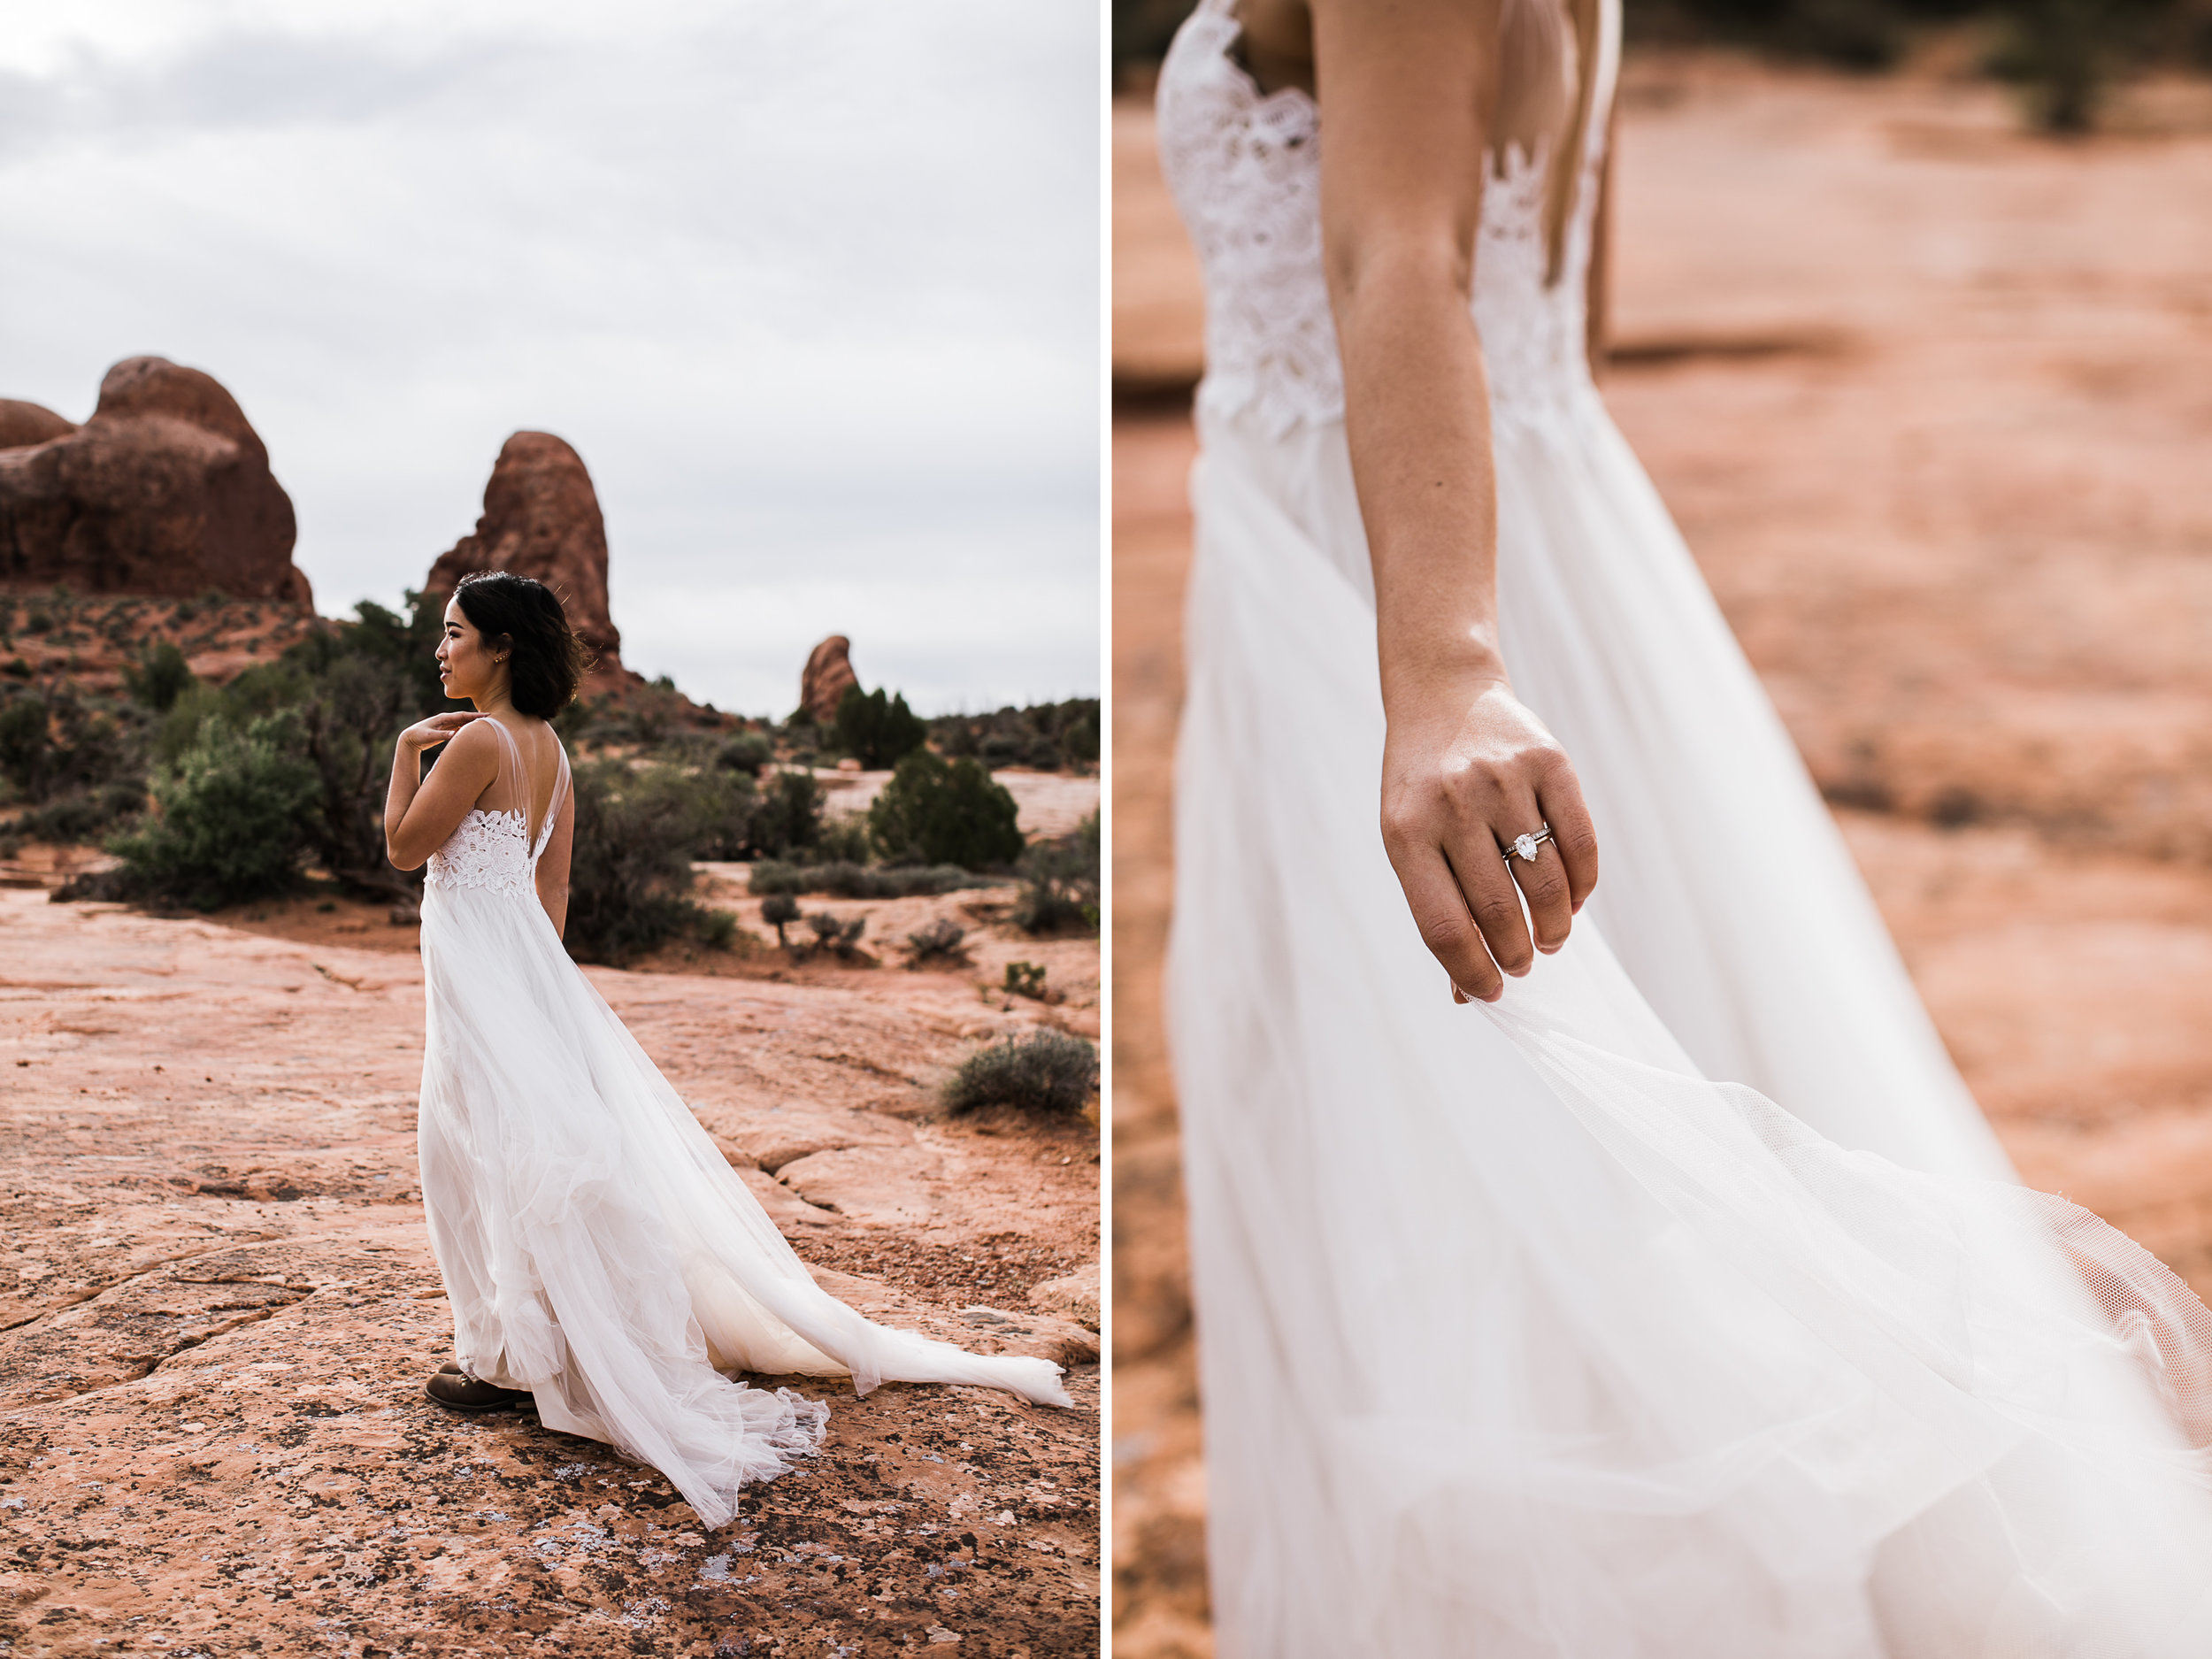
{"points": [[812, 287]]}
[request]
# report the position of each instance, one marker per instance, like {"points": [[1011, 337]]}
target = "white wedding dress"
{"points": [[1517, 1337], [597, 1249]]}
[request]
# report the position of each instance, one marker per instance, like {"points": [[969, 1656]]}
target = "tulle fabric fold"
{"points": [[598, 1250], [1518, 1336]]}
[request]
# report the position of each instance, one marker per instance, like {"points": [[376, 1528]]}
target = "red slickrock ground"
{"points": [[218, 1306]]}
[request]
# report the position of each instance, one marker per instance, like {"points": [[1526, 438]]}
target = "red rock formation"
{"points": [[23, 424], [828, 671], [165, 490], [541, 519]]}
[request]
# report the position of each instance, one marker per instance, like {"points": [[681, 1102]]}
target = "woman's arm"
{"points": [[1407, 88], [553, 867], [421, 814]]}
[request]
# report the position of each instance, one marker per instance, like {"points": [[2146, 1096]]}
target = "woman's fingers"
{"points": [[1440, 912], [1492, 898], [1559, 797], [1544, 884]]}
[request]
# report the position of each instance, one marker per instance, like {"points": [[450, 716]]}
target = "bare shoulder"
{"points": [[476, 738], [473, 751]]}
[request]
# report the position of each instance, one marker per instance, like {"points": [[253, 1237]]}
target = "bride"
{"points": [[599, 1253], [1518, 1335]]}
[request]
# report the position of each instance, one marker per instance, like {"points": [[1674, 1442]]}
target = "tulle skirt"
{"points": [[598, 1250], [1519, 1336]]}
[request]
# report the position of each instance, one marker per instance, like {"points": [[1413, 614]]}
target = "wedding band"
{"points": [[1525, 846]]}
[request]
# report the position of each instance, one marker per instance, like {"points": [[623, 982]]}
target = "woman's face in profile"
{"points": [[466, 668]]}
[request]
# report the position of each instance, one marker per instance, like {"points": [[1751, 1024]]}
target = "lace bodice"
{"points": [[489, 849], [1246, 171], [492, 849]]}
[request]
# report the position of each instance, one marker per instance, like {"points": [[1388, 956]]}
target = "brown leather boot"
{"points": [[450, 1387]]}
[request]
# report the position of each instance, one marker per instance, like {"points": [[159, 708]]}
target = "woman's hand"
{"points": [[1466, 769], [418, 816], [425, 735]]}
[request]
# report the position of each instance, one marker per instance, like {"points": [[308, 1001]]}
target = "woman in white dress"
{"points": [[598, 1252], [1517, 1336]]}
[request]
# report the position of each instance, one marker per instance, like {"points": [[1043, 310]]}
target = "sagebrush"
{"points": [[1047, 1073]]}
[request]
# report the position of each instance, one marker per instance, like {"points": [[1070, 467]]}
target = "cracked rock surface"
{"points": [[218, 1306]]}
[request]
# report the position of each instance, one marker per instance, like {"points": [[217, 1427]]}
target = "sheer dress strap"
{"points": [[553, 803]]}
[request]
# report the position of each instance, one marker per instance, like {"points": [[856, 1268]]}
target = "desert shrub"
{"points": [[748, 752], [2064, 54], [176, 729], [54, 742], [936, 812], [351, 687], [725, 806], [877, 729], [1079, 734], [843, 937], [648, 716], [1047, 1073], [229, 819], [1025, 979], [350, 714], [159, 678], [25, 745], [850, 881], [1046, 735], [630, 877], [779, 910], [839, 838], [1060, 882], [717, 929], [938, 942], [84, 815], [789, 816]]}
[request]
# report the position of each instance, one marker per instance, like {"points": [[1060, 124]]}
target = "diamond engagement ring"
{"points": [[1525, 845]]}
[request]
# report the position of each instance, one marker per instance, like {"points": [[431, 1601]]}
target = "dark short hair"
{"points": [[545, 660]]}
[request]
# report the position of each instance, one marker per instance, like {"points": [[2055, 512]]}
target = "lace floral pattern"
{"points": [[487, 850], [1245, 172]]}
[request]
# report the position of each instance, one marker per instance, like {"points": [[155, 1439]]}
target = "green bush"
{"points": [[1060, 882], [56, 741], [749, 752], [847, 880], [938, 942], [2064, 54], [876, 729], [25, 745], [630, 876], [160, 677], [230, 817], [726, 807], [1047, 1073], [1026, 979], [779, 910], [936, 812], [843, 937], [75, 820], [1045, 735], [789, 815]]}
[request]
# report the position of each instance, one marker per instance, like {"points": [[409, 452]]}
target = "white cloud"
{"points": [[830, 267]]}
